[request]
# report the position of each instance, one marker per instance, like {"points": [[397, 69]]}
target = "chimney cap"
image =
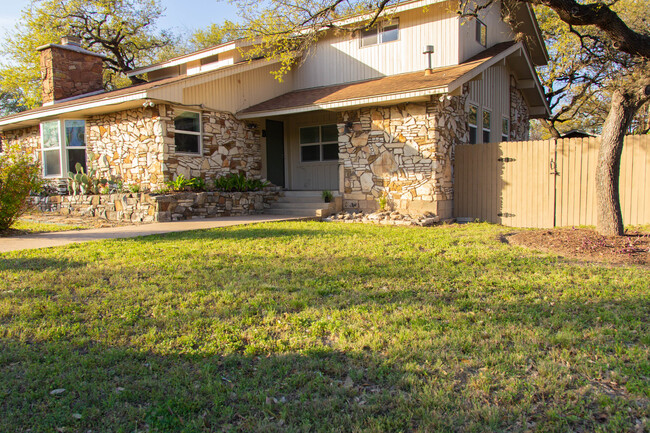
{"points": [[71, 40]]}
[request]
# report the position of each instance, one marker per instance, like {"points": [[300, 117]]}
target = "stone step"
{"points": [[318, 194], [298, 212], [298, 204]]}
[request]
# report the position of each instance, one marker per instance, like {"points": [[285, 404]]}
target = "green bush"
{"points": [[20, 175], [238, 183]]}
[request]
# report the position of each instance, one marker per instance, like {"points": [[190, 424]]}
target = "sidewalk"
{"points": [[55, 239]]}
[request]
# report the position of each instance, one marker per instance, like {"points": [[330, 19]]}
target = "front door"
{"points": [[275, 152]]}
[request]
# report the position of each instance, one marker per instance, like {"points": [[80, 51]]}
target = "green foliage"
{"points": [[179, 184], [327, 196], [197, 184], [123, 30], [214, 35], [238, 183], [20, 175], [135, 188], [86, 183], [382, 201]]}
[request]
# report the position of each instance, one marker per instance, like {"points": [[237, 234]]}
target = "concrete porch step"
{"points": [[298, 212], [297, 205]]}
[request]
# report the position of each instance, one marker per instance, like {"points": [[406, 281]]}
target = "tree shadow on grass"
{"points": [[37, 264]]}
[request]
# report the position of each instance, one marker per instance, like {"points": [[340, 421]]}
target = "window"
{"points": [[187, 128], [319, 143], [63, 146], [487, 122], [382, 33], [505, 129], [75, 144], [472, 120], [51, 139], [481, 33]]}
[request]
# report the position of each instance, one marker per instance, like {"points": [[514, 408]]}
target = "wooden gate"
{"points": [[546, 183]]}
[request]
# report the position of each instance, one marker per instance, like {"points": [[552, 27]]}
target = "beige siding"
{"points": [[310, 175], [339, 59], [497, 31], [492, 92], [547, 183], [231, 94]]}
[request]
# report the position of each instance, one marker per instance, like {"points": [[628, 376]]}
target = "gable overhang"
{"points": [[94, 104], [525, 23], [519, 62], [379, 100], [330, 98]]}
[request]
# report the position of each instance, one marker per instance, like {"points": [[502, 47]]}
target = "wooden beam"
{"points": [[526, 84]]}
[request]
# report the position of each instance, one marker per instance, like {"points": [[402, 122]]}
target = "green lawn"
{"points": [[30, 227], [307, 326]]}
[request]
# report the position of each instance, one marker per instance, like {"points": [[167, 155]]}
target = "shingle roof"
{"points": [[393, 84]]}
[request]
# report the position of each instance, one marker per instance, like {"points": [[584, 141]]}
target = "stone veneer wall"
{"points": [[150, 208], [229, 146], [128, 145], [404, 152], [519, 114], [137, 146]]}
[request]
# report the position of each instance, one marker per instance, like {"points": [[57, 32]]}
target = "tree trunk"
{"points": [[609, 218]]}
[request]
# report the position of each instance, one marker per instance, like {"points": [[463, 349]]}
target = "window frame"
{"points": [[320, 143], [479, 34], [65, 148], [483, 128], [470, 125], [62, 148], [505, 134], [199, 152], [379, 30]]}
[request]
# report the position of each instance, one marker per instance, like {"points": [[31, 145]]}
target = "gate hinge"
{"points": [[506, 159]]}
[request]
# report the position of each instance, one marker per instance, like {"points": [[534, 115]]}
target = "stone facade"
{"points": [[229, 146], [128, 145], [137, 147], [402, 152], [150, 208], [68, 71], [519, 114]]}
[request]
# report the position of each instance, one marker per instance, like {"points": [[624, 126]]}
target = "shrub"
{"points": [[238, 183], [20, 175]]}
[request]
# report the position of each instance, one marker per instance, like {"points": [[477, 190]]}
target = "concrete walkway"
{"points": [[55, 239]]}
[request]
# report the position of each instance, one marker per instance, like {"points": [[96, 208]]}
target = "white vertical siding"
{"points": [[497, 31], [310, 175], [232, 93], [340, 59], [492, 93]]}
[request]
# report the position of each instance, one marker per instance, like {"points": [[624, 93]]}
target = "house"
{"points": [[366, 114]]}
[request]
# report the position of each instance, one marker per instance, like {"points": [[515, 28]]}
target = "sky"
{"points": [[181, 15]]}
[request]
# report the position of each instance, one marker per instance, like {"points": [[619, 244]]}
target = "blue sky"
{"points": [[181, 15]]}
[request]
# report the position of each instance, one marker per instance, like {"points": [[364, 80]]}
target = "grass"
{"points": [[28, 227], [306, 326]]}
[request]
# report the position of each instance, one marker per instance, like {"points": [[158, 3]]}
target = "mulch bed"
{"points": [[587, 245]]}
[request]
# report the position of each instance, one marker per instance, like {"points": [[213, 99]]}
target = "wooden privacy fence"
{"points": [[547, 183]]}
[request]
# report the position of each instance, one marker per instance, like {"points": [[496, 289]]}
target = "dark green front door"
{"points": [[275, 152]]}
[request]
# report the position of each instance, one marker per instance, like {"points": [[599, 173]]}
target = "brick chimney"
{"points": [[68, 70]]}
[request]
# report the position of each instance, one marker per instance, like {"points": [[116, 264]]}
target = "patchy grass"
{"points": [[22, 227], [306, 326]]}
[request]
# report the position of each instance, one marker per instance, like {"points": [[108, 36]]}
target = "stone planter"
{"points": [[168, 207]]}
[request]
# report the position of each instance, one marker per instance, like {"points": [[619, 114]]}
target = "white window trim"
{"points": [[180, 131], [480, 23], [505, 135], [63, 148], [62, 164], [319, 143], [379, 27], [483, 128], [469, 125]]}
